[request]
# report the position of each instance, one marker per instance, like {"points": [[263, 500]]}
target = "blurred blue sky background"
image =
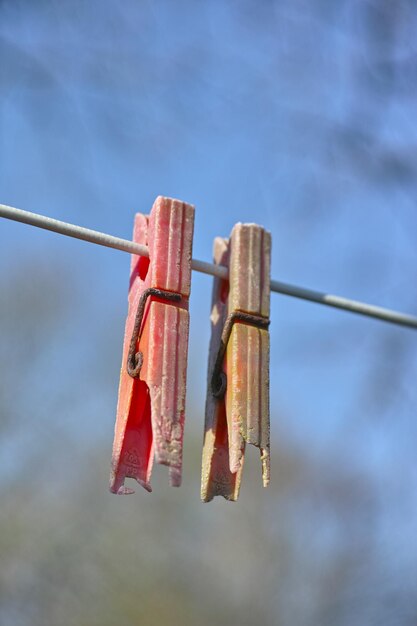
{"points": [[299, 116]]}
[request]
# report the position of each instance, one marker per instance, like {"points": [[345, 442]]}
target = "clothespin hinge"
{"points": [[219, 378], [135, 359]]}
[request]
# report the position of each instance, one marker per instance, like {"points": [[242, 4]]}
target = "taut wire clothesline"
{"points": [[93, 236]]}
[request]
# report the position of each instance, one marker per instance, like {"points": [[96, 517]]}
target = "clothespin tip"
{"points": [[266, 468]]}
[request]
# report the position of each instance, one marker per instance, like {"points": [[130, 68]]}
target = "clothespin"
{"points": [[151, 405], [237, 404]]}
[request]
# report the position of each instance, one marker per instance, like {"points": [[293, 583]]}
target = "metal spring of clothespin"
{"points": [[219, 378], [135, 359]]}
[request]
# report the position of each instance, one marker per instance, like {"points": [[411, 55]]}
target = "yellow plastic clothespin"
{"points": [[237, 404]]}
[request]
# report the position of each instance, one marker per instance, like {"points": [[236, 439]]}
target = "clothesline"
{"points": [[103, 239]]}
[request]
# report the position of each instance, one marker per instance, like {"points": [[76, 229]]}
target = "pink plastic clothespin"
{"points": [[237, 404], [150, 412]]}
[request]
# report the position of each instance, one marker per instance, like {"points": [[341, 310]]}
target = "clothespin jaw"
{"points": [[151, 404], [237, 404]]}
